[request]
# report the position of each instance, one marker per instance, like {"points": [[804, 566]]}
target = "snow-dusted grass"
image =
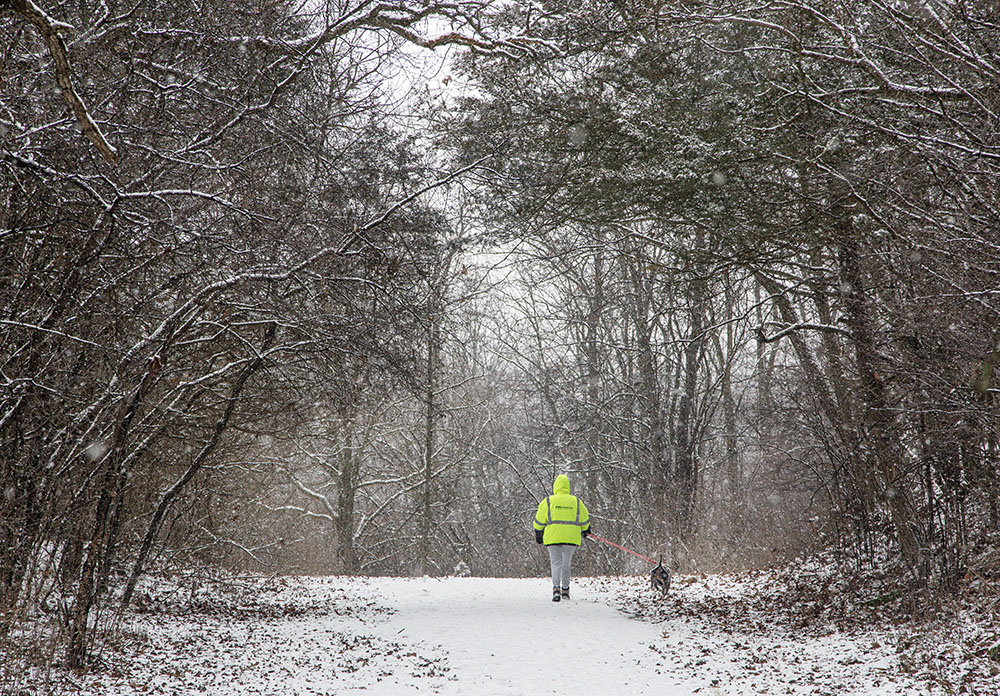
{"points": [[713, 635]]}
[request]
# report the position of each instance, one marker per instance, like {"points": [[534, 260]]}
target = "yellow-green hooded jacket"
{"points": [[561, 517]]}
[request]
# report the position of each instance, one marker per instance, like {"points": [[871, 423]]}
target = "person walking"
{"points": [[561, 523]]}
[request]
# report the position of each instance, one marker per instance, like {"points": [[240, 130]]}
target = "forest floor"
{"points": [[777, 632]]}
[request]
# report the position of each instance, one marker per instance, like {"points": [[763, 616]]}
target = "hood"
{"points": [[561, 485]]}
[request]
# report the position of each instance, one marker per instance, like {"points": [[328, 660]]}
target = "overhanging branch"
{"points": [[50, 30], [789, 329]]}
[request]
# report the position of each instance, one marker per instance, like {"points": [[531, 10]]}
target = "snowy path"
{"points": [[478, 636], [508, 637]]}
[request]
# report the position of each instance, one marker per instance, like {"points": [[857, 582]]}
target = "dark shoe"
{"points": [[555, 594], [565, 593]]}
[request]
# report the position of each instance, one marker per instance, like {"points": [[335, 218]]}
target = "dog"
{"points": [[660, 578]]}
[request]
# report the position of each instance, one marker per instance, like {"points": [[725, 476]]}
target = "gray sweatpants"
{"points": [[560, 557]]}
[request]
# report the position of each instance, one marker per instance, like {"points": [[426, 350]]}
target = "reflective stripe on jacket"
{"points": [[562, 516]]}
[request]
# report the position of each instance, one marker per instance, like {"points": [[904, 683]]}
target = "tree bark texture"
{"points": [[882, 430]]}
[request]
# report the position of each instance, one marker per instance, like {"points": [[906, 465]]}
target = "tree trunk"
{"points": [[733, 468], [686, 461], [346, 491], [593, 376], [167, 499], [882, 428], [657, 466], [101, 541], [430, 415], [685, 443]]}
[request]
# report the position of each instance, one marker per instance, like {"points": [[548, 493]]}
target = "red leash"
{"points": [[594, 536]]}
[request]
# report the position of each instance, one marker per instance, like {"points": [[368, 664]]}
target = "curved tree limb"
{"points": [[51, 31]]}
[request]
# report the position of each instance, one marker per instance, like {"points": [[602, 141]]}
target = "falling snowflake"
{"points": [[94, 451]]}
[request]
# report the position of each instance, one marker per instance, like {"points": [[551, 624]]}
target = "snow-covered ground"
{"points": [[481, 636]]}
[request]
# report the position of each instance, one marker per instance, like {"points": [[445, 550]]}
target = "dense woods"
{"points": [[278, 298]]}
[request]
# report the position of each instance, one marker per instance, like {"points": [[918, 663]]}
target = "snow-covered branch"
{"points": [[54, 332], [51, 30], [804, 326]]}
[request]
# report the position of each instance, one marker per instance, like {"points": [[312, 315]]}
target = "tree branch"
{"points": [[804, 326], [50, 30]]}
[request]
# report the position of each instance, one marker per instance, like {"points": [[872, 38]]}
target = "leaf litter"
{"points": [[787, 631]]}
